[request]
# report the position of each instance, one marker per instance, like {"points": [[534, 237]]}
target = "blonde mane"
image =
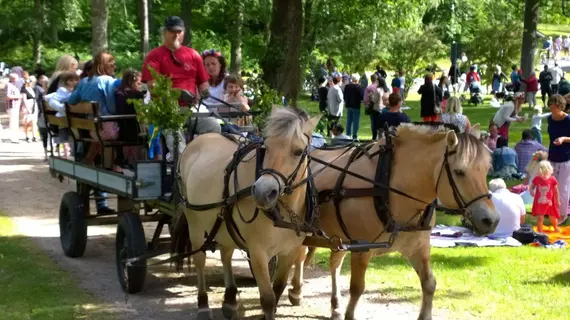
{"points": [[284, 123], [470, 151]]}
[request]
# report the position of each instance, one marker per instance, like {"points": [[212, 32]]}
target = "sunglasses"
{"points": [[211, 53], [175, 60]]}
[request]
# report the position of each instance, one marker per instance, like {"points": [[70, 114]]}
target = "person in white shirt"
{"points": [[510, 206], [504, 116], [566, 46], [557, 75], [335, 101]]}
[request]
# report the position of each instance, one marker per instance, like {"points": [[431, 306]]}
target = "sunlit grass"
{"points": [[33, 287], [488, 283]]}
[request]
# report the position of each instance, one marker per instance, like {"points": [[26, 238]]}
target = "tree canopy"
{"points": [[281, 39]]}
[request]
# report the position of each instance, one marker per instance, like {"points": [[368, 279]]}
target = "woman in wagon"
{"points": [[66, 63], [216, 66], [99, 87]]}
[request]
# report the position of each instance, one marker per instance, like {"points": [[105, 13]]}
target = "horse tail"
{"points": [[310, 255], [180, 238]]}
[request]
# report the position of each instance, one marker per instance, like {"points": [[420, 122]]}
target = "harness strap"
{"points": [[383, 171]]}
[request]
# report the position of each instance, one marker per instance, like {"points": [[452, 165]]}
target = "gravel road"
{"points": [[31, 197]]}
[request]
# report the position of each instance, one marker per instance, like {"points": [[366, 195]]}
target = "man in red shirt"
{"points": [[186, 69]]}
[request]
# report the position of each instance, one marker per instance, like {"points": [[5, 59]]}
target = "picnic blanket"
{"points": [[451, 236], [564, 233]]}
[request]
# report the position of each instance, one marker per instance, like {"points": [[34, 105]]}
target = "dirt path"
{"points": [[31, 196]]}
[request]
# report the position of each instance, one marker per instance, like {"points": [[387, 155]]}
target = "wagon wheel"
{"points": [[130, 242], [272, 265], [72, 225]]}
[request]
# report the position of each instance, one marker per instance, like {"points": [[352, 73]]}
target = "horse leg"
{"points": [[284, 265], [335, 262], [420, 261], [230, 305], [295, 293], [358, 265], [199, 259], [259, 260]]}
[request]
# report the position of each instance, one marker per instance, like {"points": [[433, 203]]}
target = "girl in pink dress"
{"points": [[544, 189]]}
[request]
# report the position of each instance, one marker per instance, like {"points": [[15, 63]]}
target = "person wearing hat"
{"points": [[186, 69]]}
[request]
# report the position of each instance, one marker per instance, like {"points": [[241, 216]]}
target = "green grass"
{"points": [[33, 287], [554, 30], [488, 283]]}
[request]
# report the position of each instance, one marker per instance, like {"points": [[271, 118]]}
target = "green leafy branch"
{"points": [[163, 109], [264, 98]]}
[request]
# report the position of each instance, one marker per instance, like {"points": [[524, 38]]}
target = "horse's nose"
{"points": [[265, 192]]}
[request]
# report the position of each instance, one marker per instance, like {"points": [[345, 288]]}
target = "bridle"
{"points": [[287, 187], [461, 203]]}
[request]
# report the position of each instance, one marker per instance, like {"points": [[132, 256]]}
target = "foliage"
{"points": [[426, 49], [498, 44], [163, 109], [264, 98]]}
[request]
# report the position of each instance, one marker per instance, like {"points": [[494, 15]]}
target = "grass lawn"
{"points": [[489, 283], [554, 30], [33, 287]]}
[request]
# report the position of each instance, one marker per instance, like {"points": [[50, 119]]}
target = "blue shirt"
{"points": [[515, 78], [503, 157], [99, 89], [557, 129]]}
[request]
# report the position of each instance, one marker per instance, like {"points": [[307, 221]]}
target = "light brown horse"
{"points": [[202, 166], [418, 170]]}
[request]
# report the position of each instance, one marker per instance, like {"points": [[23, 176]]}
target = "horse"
{"points": [[216, 171], [429, 162]]}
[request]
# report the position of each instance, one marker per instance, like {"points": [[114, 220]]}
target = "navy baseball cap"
{"points": [[174, 23]]}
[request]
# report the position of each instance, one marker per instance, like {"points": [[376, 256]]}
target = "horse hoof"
{"points": [[337, 315], [230, 311], [205, 314], [295, 298]]}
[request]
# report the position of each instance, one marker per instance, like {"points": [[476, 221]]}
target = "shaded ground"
{"points": [[31, 197]]}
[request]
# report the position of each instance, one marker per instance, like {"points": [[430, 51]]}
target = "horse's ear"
{"points": [[476, 131], [311, 124], [451, 140], [274, 109]]}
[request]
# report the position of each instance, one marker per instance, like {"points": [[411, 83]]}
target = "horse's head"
{"points": [[287, 140], [460, 163], [462, 180]]}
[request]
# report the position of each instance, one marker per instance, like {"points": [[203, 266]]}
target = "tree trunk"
{"points": [[529, 37], [236, 36], [38, 32], [186, 15], [281, 69], [143, 26], [99, 20]]}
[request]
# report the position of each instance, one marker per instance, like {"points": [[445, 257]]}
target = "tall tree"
{"points": [[529, 36], [144, 27], [280, 64], [186, 15], [37, 31], [236, 36], [99, 21]]}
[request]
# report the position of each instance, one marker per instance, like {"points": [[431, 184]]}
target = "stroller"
{"points": [[476, 97]]}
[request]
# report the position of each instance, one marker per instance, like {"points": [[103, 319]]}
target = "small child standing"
{"points": [[57, 100], [536, 122], [544, 189]]}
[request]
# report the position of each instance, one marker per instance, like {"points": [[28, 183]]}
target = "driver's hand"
{"points": [[205, 93]]}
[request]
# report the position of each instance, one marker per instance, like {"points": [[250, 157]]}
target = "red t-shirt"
{"points": [[186, 75]]}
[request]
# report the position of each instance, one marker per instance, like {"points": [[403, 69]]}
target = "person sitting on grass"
{"points": [[544, 189], [510, 207], [526, 148], [505, 161]]}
